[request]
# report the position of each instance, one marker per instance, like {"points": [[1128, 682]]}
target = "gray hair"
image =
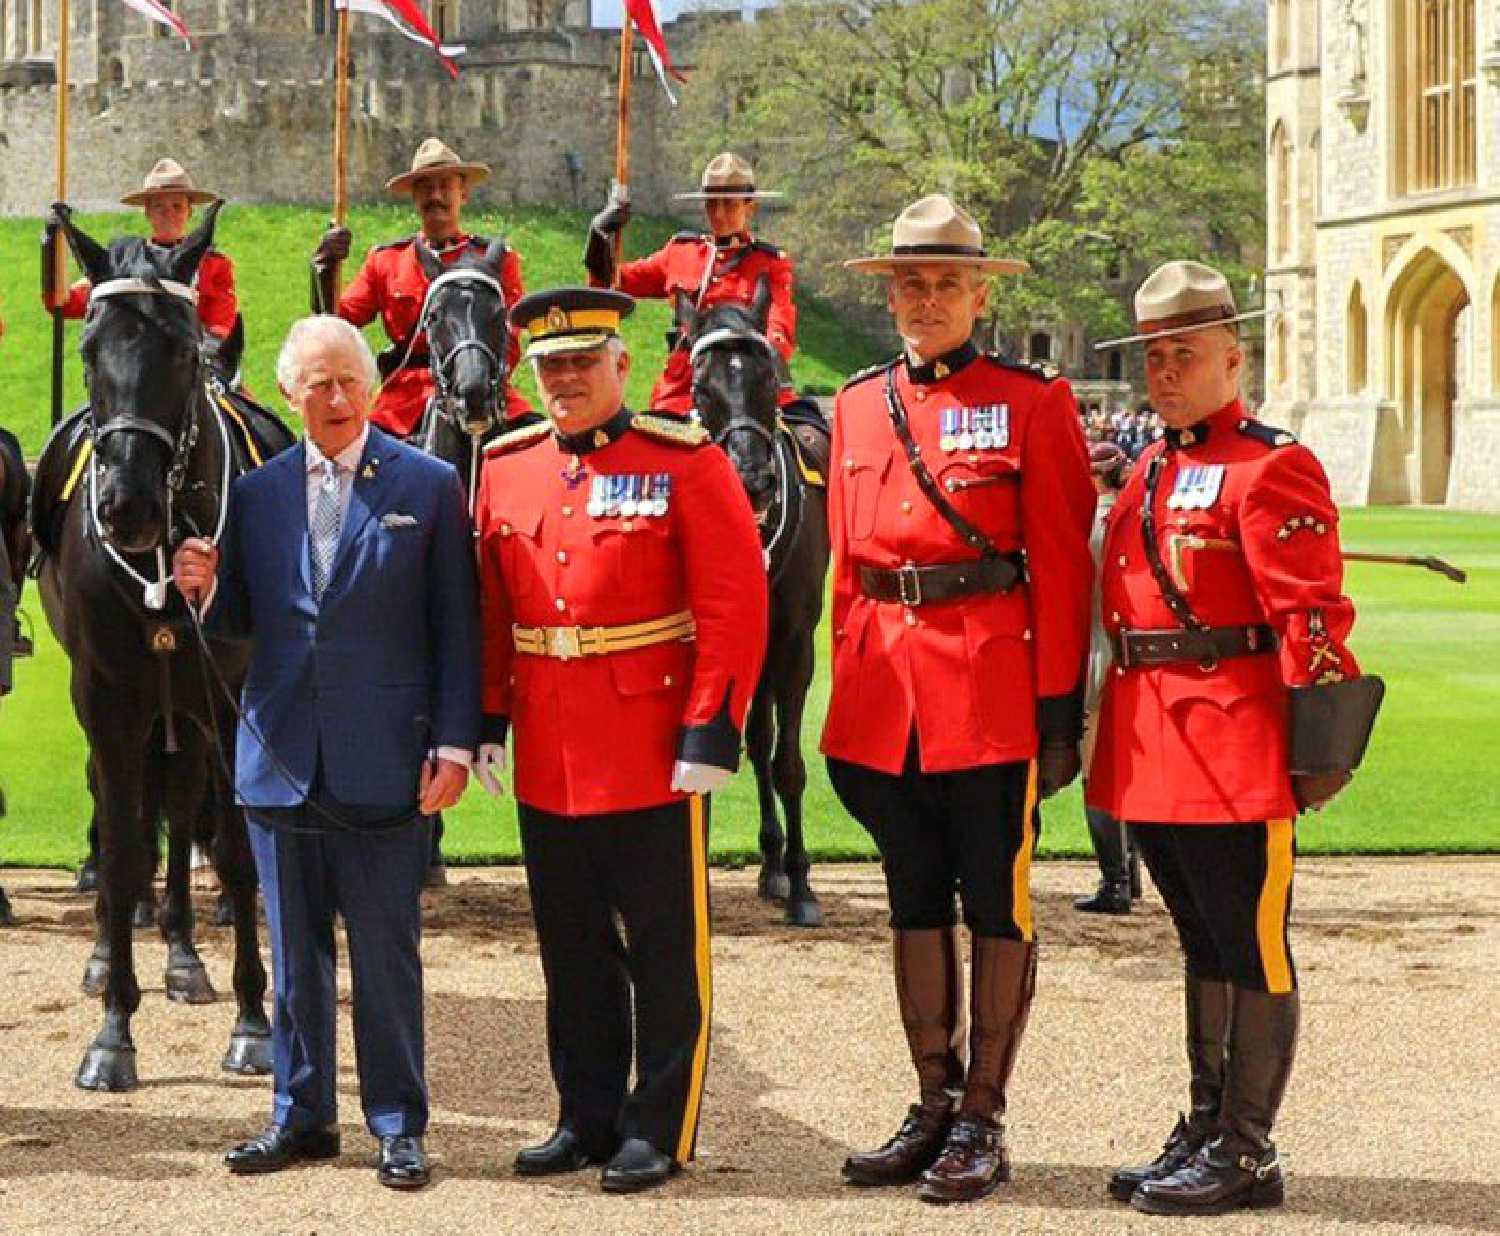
{"points": [[327, 329], [614, 345]]}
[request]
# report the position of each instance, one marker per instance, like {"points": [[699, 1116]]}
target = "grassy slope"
{"points": [[270, 246], [1427, 784]]}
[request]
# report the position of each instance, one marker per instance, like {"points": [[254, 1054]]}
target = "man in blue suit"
{"points": [[346, 562]]}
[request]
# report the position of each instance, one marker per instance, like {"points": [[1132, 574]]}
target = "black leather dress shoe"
{"points": [[636, 1165], [280, 1147], [564, 1151], [403, 1163]]}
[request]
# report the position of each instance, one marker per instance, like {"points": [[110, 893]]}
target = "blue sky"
{"points": [[607, 12]]}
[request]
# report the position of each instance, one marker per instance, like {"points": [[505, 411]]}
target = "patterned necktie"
{"points": [[327, 521]]}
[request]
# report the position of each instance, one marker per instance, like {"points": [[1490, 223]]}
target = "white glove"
{"points": [[698, 778], [489, 767]]}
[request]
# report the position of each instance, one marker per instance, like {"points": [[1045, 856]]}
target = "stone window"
{"points": [[36, 23], [1039, 347], [1281, 33], [321, 17], [1436, 126], [444, 17], [1114, 365], [1357, 342], [116, 71], [1280, 353], [1283, 192]]}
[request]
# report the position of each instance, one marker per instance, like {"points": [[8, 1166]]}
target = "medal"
{"points": [[662, 490], [984, 419], [612, 494], [949, 440], [629, 507], [596, 497]]}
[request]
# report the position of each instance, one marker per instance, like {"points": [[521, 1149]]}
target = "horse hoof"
{"points": [[774, 887], [804, 912], [248, 1054], [224, 913], [88, 879], [107, 1068], [190, 985], [95, 976], [144, 916]]}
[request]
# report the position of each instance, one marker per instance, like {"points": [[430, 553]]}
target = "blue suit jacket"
{"points": [[387, 666]]}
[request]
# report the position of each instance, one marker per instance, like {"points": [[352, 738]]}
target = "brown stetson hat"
{"points": [[434, 158], [1179, 298], [936, 229], [168, 176], [727, 175]]}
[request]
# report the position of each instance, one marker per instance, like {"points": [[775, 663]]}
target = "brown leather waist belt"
{"points": [[924, 585], [1207, 648], [565, 643]]}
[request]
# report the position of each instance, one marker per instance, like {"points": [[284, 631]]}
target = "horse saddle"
{"points": [[811, 447]]}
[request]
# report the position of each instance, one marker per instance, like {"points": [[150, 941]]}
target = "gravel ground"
{"points": [[1390, 1125]]}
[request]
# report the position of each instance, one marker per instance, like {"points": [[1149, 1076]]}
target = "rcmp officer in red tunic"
{"points": [[1233, 704], [167, 196], [624, 614], [723, 264], [959, 512], [393, 281]]}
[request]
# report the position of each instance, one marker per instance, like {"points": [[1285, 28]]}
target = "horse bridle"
{"points": [[179, 447], [789, 515], [441, 367]]}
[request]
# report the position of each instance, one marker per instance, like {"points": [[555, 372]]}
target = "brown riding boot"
{"points": [[974, 1160], [1238, 1168], [1206, 1004], [929, 983]]}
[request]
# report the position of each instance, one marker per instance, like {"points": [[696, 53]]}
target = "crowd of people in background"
{"points": [[1131, 431]]}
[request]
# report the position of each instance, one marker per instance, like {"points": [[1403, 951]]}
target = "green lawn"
{"points": [[270, 246], [1426, 786]]}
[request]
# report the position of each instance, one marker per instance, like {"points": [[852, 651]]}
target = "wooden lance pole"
{"points": [[340, 139], [59, 254], [622, 133]]}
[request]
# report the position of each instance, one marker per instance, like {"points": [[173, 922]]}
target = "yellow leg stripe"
{"points": [[703, 961], [1270, 914], [78, 466], [249, 438], [1020, 876]]}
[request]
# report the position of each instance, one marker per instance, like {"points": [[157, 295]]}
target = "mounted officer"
{"points": [[393, 281], [722, 264], [1234, 704]]}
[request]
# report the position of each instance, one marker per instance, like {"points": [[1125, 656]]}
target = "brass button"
{"points": [[1115, 617], [905, 507], [1026, 634], [627, 525], [911, 617], [562, 555], [666, 680], [1124, 561], [567, 510], [504, 529], [560, 604], [848, 465]]}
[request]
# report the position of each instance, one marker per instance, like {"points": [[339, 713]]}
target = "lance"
{"points": [[622, 132], [1446, 569], [340, 138], [54, 254]]}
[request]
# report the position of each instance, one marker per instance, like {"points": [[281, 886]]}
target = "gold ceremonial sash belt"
{"points": [[565, 643]]}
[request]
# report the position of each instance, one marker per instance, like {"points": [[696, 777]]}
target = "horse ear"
{"points": [[687, 316], [760, 307], [494, 256], [186, 256], [232, 349], [432, 265], [87, 251]]}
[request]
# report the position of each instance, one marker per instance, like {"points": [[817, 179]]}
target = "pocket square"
{"points": [[396, 519]]}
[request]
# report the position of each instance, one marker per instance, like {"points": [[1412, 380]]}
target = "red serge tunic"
{"points": [[392, 284], [978, 677], [1248, 530], [710, 274], [600, 733], [218, 304]]}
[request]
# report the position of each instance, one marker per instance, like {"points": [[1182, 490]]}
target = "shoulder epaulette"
{"points": [[400, 243], [765, 246], [1033, 369], [1268, 435], [518, 439], [870, 371], [669, 429]]}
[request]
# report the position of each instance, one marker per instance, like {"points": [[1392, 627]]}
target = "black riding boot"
{"points": [[1206, 1003], [1113, 893], [1238, 1168]]}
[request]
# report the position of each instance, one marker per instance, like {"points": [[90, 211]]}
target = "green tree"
{"points": [[1083, 135]]}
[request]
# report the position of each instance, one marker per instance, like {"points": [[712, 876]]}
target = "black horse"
{"points": [[160, 462], [735, 385], [467, 340], [15, 486]]}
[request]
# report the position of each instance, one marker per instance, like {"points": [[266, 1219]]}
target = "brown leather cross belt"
{"points": [[924, 585], [1207, 647]]}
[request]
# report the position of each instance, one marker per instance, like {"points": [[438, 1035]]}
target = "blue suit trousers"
{"points": [[309, 871]]}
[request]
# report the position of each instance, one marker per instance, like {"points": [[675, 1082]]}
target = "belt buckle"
{"points": [[564, 643], [908, 596], [1123, 658]]}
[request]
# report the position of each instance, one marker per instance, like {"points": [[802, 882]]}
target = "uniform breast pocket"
{"points": [[983, 489], [863, 474], [634, 554], [514, 535]]}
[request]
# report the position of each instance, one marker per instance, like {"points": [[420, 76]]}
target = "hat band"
{"points": [[937, 250], [728, 190], [1194, 317], [579, 320]]}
